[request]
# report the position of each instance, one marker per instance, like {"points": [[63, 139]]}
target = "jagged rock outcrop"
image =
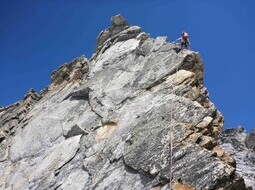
{"points": [[73, 71], [13, 117], [109, 127], [242, 147]]}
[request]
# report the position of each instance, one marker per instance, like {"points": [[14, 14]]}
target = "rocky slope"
{"points": [[105, 123], [242, 147]]}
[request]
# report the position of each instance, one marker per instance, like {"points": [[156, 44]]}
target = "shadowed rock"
{"points": [[82, 93], [74, 131], [250, 140], [241, 146]]}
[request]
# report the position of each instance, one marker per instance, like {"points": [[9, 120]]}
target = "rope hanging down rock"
{"points": [[172, 133]]}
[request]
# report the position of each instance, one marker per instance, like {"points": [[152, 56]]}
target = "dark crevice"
{"points": [[187, 137], [157, 82], [233, 182], [57, 187], [125, 100], [198, 140], [162, 181], [115, 160], [86, 170], [146, 177], [58, 169], [92, 109], [81, 94]]}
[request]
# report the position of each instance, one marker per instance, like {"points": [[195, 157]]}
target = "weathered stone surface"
{"points": [[75, 181], [105, 123], [57, 156], [118, 24], [119, 31], [118, 20], [34, 137], [225, 156], [250, 140], [12, 117], [234, 141], [4, 150], [72, 71]]}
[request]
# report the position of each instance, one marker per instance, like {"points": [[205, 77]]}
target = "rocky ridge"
{"points": [[241, 146], [105, 123]]}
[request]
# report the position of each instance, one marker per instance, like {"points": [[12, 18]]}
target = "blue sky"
{"points": [[37, 36]]}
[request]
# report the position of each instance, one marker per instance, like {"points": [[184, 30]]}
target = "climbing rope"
{"points": [[171, 150], [172, 133]]}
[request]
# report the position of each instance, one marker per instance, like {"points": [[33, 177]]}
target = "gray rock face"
{"points": [[119, 31], [106, 123], [13, 117], [241, 146], [250, 140]]}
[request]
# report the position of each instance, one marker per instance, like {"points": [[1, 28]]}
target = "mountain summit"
{"points": [[129, 117]]}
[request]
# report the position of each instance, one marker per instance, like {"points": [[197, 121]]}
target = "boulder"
{"points": [[118, 20]]}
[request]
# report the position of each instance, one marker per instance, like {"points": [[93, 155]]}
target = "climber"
{"points": [[184, 41]]}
